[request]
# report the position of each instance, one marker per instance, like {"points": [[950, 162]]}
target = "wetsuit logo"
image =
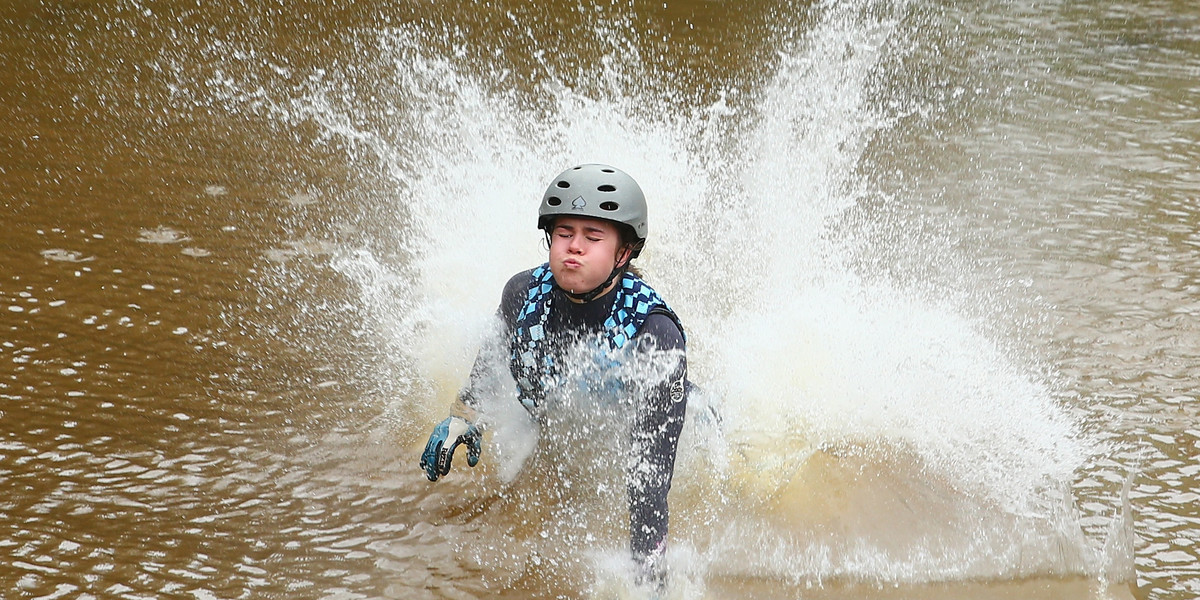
{"points": [[578, 203], [677, 390]]}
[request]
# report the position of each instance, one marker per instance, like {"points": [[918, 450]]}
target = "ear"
{"points": [[623, 255]]}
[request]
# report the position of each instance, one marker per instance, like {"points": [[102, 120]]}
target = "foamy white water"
{"points": [[800, 351]]}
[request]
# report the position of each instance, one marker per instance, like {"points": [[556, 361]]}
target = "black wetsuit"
{"points": [[659, 419]]}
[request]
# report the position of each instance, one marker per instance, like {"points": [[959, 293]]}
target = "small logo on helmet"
{"points": [[578, 203]]}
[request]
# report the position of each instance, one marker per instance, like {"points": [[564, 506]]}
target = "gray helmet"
{"points": [[598, 192]]}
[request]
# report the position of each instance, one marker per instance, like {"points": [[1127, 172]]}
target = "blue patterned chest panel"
{"points": [[531, 362]]}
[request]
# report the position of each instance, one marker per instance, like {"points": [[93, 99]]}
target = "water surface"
{"points": [[939, 267]]}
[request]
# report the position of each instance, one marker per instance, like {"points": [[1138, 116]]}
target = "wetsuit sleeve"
{"points": [[512, 299], [656, 436], [491, 356]]}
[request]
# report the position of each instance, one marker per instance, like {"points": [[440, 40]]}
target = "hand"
{"points": [[455, 430]]}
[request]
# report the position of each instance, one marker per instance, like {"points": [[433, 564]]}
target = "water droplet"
{"points": [[301, 199], [60, 255], [162, 235]]}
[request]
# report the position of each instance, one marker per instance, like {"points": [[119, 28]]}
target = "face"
{"points": [[583, 252]]}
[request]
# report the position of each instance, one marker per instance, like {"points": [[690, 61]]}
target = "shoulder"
{"points": [[518, 283], [513, 296], [662, 324], [664, 328]]}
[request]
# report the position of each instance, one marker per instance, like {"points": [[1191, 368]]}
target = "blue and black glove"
{"points": [[444, 440]]}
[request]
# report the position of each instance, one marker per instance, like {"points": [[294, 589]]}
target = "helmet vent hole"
{"points": [[563, 184], [607, 188], [609, 206], [553, 200], [607, 171]]}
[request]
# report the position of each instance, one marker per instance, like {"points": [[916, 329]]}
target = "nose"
{"points": [[575, 246]]}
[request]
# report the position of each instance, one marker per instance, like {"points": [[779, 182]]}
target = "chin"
{"points": [[565, 277], [573, 285]]}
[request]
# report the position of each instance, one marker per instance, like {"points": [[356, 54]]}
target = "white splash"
{"points": [[801, 353]]}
